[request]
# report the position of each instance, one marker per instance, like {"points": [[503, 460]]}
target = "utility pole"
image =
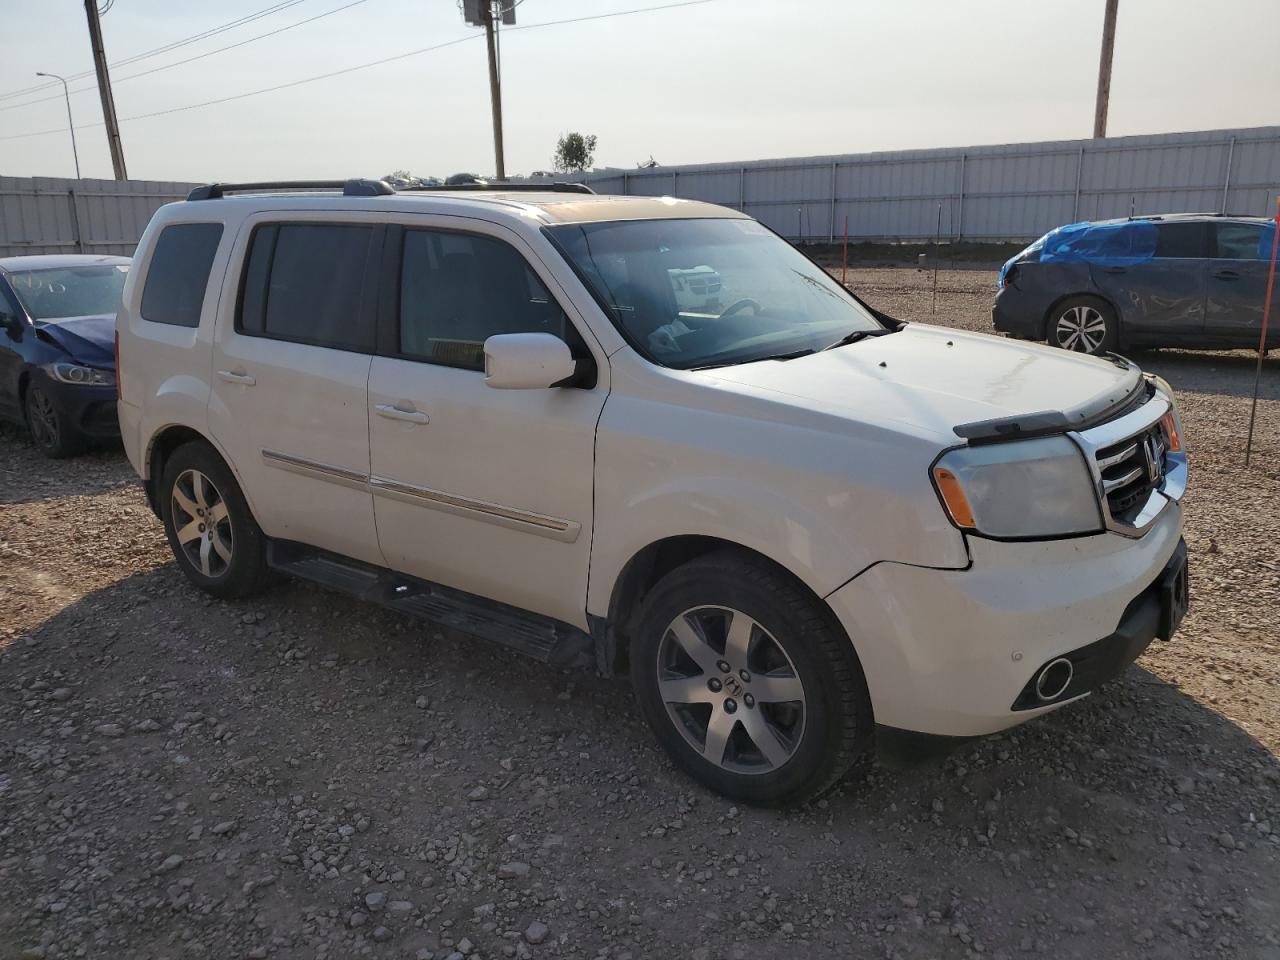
{"points": [[104, 89], [480, 13], [1104, 70], [495, 90]]}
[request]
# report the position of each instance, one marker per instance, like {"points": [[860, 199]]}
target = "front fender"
{"points": [[823, 507]]}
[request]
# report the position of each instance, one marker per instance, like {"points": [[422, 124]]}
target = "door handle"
{"points": [[231, 376], [392, 412], [1226, 275], [1114, 270]]}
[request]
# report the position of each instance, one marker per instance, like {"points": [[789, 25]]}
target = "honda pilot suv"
{"points": [[798, 524]]}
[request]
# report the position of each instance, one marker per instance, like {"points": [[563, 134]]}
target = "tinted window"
{"points": [[457, 290], [303, 282], [1180, 240], [179, 273], [1237, 241]]}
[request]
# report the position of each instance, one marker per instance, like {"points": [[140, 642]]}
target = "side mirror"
{"points": [[528, 361]]}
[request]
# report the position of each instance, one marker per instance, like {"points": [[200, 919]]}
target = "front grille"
{"points": [[1130, 470]]}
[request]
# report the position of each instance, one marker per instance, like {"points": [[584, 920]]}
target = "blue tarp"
{"points": [[1106, 244], [1266, 240]]}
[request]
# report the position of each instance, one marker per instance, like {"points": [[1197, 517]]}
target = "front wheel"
{"points": [[748, 682], [210, 528], [1083, 325], [54, 435]]}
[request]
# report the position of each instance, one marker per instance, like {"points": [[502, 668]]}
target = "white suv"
{"points": [[794, 521]]}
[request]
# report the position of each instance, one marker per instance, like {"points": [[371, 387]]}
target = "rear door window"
{"points": [[1180, 241], [306, 282], [179, 273], [1237, 241]]}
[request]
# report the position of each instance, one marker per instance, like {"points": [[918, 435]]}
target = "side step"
{"points": [[542, 638]]}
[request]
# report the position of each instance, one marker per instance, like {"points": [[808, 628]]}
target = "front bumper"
{"points": [[949, 652], [91, 410]]}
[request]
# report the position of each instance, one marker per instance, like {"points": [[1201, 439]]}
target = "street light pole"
{"points": [[70, 123]]}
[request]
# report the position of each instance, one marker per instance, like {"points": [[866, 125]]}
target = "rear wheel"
{"points": [[748, 683], [210, 528], [1083, 325]]}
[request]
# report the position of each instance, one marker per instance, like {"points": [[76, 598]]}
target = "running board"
{"points": [[542, 638]]}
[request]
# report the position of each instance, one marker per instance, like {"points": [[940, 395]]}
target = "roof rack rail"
{"points": [[349, 188], [557, 187]]}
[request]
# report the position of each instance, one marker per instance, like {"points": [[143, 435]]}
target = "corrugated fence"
{"points": [[56, 215], [1010, 192]]}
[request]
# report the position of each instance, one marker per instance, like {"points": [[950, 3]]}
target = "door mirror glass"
{"points": [[527, 361]]}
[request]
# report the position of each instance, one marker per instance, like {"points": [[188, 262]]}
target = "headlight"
{"points": [[82, 376], [1171, 422], [1027, 488]]}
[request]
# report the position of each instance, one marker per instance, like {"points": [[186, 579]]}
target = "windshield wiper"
{"points": [[853, 336], [770, 356]]}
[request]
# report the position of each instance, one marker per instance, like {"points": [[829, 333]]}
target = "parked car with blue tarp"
{"points": [[57, 348], [1180, 280]]}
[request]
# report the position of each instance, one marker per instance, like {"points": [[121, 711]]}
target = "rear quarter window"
{"points": [[179, 273]]}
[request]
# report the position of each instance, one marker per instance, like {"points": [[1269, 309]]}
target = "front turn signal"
{"points": [[953, 496]]}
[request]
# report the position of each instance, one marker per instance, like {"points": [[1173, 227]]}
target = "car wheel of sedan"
{"points": [[210, 528], [1083, 325], [748, 682], [53, 435]]}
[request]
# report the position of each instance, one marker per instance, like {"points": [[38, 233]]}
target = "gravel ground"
{"points": [[303, 775]]}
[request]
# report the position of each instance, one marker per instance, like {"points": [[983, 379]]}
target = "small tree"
{"points": [[574, 152]]}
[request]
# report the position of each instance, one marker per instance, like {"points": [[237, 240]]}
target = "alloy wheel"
{"points": [[42, 419], [731, 690], [1082, 329], [201, 523]]}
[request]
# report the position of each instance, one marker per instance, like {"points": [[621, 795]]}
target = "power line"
{"points": [[365, 66], [165, 48], [198, 56]]}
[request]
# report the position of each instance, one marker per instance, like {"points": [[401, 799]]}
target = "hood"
{"points": [[90, 340], [935, 379]]}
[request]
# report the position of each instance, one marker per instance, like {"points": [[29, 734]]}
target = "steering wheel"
{"points": [[737, 306]]}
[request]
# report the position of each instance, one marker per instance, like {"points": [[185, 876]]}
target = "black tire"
{"points": [[246, 572], [1083, 325], [837, 725], [51, 432]]}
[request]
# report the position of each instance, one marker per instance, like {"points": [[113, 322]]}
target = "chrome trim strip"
{"points": [[316, 470], [523, 520], [1132, 475], [536, 523], [1111, 461]]}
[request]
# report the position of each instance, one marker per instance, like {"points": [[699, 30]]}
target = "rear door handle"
{"points": [[392, 412], [1226, 275], [231, 376], [1114, 270]]}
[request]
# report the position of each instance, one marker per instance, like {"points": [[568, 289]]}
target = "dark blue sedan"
{"points": [[57, 348]]}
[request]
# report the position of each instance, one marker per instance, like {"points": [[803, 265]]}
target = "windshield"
{"points": [[697, 293], [69, 291]]}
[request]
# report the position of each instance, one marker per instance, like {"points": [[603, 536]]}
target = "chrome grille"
{"points": [[1130, 470]]}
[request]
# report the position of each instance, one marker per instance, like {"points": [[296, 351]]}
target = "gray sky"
{"points": [[723, 80]]}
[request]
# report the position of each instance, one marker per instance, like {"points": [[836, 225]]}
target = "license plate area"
{"points": [[1175, 593]]}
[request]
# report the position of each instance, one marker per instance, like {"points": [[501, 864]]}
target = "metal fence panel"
{"points": [[1006, 192], [59, 215]]}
